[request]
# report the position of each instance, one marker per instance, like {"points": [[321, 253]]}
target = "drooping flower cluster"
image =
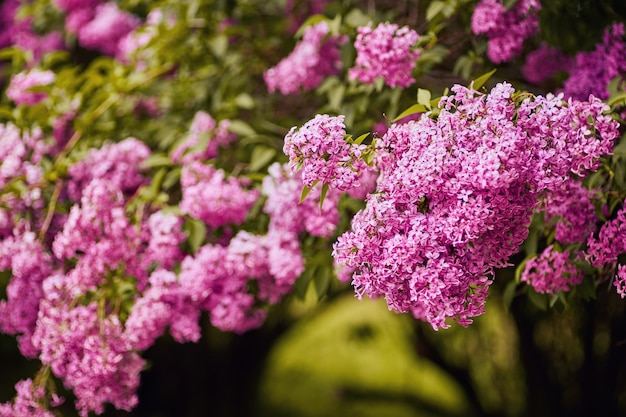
{"points": [[455, 196], [211, 197], [98, 25], [18, 90], [29, 264], [217, 278], [388, 51], [604, 248], [320, 149], [119, 163], [18, 32], [204, 139], [572, 211], [283, 192], [551, 272], [313, 59], [506, 29], [27, 402], [545, 62], [593, 70], [74, 340]]}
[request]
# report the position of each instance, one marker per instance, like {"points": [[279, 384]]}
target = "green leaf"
{"points": [[241, 128], [416, 108], [356, 18], [305, 192], [302, 283], [323, 194], [219, 45], [196, 232], [619, 98], [322, 282], [620, 149], [424, 97], [261, 156], [434, 9], [311, 21], [480, 81], [244, 101], [361, 138], [157, 160]]}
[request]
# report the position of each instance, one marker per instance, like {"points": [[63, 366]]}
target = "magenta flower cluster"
{"points": [[388, 52], [320, 149], [455, 196], [551, 272], [593, 70], [506, 29], [18, 89], [544, 63], [204, 138], [314, 58]]}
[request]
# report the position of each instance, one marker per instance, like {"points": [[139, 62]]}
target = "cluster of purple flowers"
{"points": [[388, 52], [545, 62], [551, 272], [455, 196], [506, 29], [320, 148], [313, 59], [205, 137], [593, 70]]}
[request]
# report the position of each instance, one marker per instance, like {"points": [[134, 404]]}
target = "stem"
{"points": [[51, 207]]}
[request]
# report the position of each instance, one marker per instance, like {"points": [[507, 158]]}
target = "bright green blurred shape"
{"points": [[355, 358]]}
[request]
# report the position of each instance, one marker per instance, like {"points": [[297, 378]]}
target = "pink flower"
{"points": [[320, 149], [22, 82], [313, 59], [388, 52], [108, 27], [505, 29], [551, 272]]}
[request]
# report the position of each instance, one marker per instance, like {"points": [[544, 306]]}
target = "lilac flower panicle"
{"points": [[313, 59], [593, 70], [387, 51], [544, 63], [551, 272], [217, 136], [107, 28], [455, 195], [18, 89], [286, 213], [505, 29], [27, 403], [119, 163], [320, 148], [211, 197]]}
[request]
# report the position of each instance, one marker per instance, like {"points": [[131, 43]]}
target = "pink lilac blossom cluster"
{"points": [[119, 163], [314, 58], [544, 63], [210, 196], [455, 196], [610, 241], [571, 211], [283, 190], [20, 154], [29, 264], [28, 402], [320, 148], [388, 52], [506, 29], [217, 278], [18, 32], [205, 137], [74, 339], [98, 25], [593, 70], [18, 89], [551, 272]]}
